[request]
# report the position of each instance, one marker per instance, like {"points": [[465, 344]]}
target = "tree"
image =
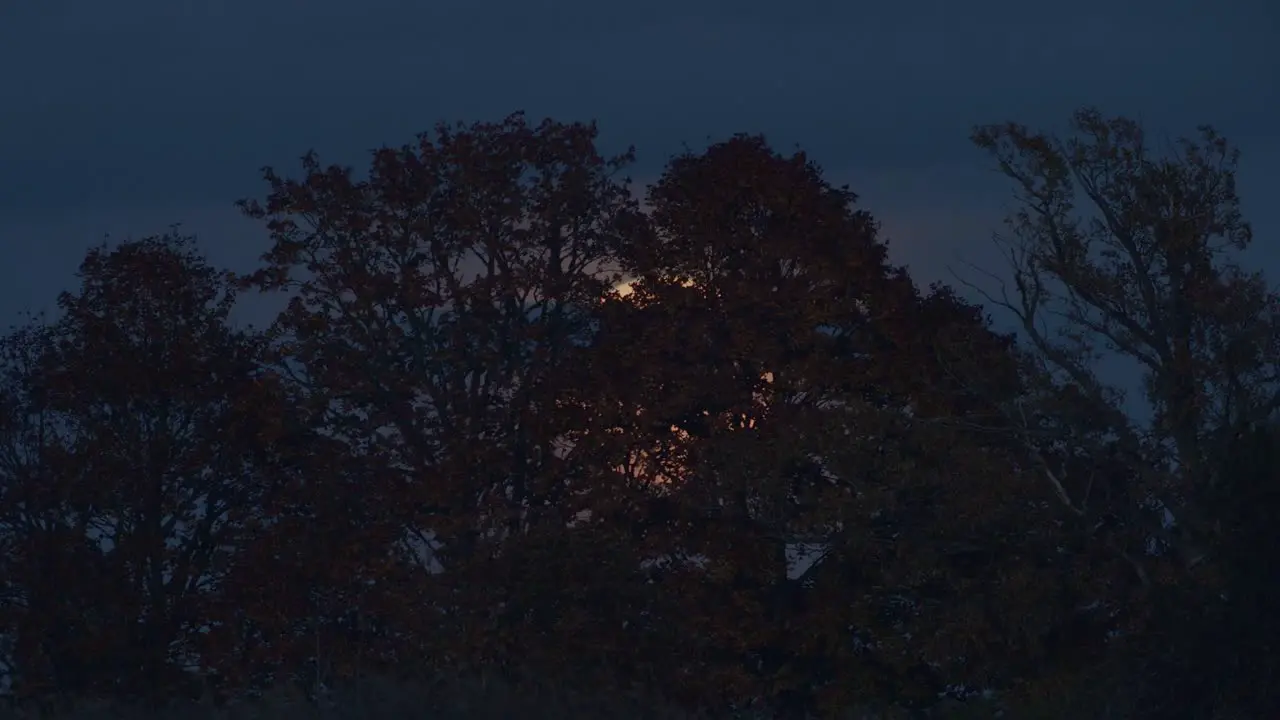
{"points": [[435, 305], [132, 439], [1125, 247], [781, 383], [51, 631], [1149, 275]]}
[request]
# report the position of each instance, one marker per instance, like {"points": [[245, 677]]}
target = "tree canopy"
{"points": [[713, 444]]}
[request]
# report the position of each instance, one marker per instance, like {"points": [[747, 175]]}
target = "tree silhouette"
{"points": [[782, 382], [1124, 246], [769, 472], [130, 441], [435, 306]]}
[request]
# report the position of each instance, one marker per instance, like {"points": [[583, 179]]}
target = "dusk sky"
{"points": [[122, 118]]}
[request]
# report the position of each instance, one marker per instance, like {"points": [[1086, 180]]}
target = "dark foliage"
{"points": [[718, 448]]}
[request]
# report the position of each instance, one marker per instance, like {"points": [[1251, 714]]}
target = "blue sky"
{"points": [[122, 118]]}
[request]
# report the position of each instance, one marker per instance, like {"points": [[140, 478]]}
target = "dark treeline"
{"points": [[512, 420]]}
